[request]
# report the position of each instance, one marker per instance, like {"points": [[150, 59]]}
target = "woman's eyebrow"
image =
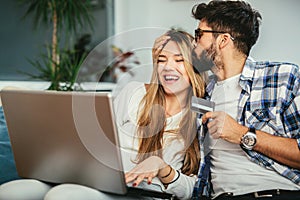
{"points": [[163, 56], [178, 54]]}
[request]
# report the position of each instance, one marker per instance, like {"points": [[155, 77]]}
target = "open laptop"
{"points": [[67, 137]]}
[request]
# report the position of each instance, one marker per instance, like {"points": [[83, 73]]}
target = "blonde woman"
{"points": [[158, 117], [157, 129]]}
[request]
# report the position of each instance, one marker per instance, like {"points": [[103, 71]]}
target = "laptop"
{"points": [[67, 137]]}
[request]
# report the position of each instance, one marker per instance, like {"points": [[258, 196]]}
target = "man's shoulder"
{"points": [[278, 70], [280, 75], [277, 66]]}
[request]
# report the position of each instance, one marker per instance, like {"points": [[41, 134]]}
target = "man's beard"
{"points": [[206, 60]]}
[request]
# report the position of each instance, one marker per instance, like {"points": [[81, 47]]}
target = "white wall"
{"points": [[139, 22], [279, 33], [130, 14]]}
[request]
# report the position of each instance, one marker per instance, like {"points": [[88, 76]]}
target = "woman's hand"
{"points": [[159, 44], [148, 169]]}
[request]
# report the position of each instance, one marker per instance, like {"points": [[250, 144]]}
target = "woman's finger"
{"points": [[161, 40], [139, 179], [129, 177], [159, 44], [149, 179]]}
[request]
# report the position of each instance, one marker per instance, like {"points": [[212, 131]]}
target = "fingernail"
{"points": [[134, 184], [149, 182]]}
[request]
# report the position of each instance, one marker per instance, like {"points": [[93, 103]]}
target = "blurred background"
{"points": [[128, 28]]}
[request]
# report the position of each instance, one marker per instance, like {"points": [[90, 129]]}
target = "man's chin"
{"points": [[202, 62]]}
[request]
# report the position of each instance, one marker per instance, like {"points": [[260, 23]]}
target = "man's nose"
{"points": [[194, 43]]}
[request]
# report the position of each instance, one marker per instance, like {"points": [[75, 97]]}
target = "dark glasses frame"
{"points": [[199, 32]]}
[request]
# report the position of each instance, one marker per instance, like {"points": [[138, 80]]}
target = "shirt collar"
{"points": [[248, 70], [245, 78], [247, 75]]}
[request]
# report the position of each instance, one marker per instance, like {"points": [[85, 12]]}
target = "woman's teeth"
{"points": [[171, 78]]}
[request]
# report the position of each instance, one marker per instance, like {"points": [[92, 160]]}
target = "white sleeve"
{"points": [[183, 187], [122, 101]]}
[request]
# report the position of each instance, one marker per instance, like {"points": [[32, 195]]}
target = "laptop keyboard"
{"points": [[142, 192]]}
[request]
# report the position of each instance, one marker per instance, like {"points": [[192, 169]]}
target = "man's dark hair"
{"points": [[235, 17]]}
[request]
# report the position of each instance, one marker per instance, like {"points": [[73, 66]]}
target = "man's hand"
{"points": [[224, 126]]}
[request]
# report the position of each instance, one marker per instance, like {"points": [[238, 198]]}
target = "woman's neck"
{"points": [[175, 103]]}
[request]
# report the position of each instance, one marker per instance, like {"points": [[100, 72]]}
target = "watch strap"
{"points": [[252, 130]]}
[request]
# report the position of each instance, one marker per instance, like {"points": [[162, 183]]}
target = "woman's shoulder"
{"points": [[134, 87], [131, 89]]}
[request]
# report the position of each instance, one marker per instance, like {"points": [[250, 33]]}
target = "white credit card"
{"points": [[201, 105]]}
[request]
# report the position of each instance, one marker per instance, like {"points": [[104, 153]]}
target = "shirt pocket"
{"points": [[264, 119]]}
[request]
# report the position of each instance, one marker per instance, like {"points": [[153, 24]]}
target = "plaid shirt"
{"points": [[270, 98]]}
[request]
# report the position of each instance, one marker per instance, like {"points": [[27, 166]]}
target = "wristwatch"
{"points": [[249, 139]]}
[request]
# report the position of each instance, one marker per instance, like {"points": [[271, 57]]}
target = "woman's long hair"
{"points": [[152, 118]]}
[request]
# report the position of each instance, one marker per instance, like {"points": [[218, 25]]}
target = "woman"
{"points": [[166, 127], [156, 127]]}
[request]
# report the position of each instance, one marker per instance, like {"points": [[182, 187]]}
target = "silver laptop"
{"points": [[67, 137]]}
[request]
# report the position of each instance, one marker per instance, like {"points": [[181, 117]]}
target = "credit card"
{"points": [[201, 105]]}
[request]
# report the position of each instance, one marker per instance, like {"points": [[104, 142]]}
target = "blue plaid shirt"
{"points": [[270, 97]]}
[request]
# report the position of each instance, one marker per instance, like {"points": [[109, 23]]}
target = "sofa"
{"points": [[8, 170]]}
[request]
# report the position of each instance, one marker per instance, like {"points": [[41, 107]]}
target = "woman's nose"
{"points": [[170, 64]]}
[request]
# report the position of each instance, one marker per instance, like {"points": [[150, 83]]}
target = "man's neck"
{"points": [[231, 67]]}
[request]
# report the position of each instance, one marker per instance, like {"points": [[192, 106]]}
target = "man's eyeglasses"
{"points": [[199, 32]]}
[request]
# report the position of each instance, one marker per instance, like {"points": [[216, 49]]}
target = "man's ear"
{"points": [[224, 39]]}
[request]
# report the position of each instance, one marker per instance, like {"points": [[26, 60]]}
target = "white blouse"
{"points": [[126, 106]]}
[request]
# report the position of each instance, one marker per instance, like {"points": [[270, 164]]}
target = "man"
{"points": [[252, 142]]}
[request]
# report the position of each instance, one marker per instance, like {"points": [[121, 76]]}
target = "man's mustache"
{"points": [[202, 62]]}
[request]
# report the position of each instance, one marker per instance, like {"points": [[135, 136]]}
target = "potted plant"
{"points": [[65, 17]]}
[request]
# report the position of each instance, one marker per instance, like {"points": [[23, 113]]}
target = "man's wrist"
{"points": [[249, 139]]}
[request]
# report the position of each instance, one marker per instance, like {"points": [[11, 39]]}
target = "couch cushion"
{"points": [[7, 164]]}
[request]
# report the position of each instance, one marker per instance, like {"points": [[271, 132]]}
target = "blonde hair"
{"points": [[151, 119]]}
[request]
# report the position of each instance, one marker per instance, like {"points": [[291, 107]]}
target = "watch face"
{"points": [[249, 140]]}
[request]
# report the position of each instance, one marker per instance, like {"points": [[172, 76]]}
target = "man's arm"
{"points": [[283, 150]]}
